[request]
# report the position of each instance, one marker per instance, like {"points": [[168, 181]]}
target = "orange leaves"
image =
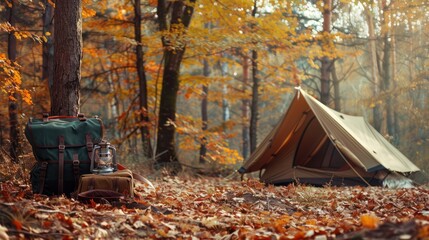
{"points": [[369, 221], [280, 223], [10, 80], [225, 209], [17, 224]]}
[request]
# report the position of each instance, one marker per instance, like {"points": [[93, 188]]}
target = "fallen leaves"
{"points": [[221, 209], [369, 221]]}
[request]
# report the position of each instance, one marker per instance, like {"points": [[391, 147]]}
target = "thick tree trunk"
{"points": [[67, 58], [325, 69], [181, 13], [13, 105], [166, 151], [204, 113], [144, 113], [377, 116], [245, 110], [48, 46]]}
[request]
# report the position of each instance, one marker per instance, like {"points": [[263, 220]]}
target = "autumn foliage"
{"points": [[184, 207]]}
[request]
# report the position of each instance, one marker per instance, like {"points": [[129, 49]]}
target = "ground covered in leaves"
{"points": [[215, 208]]}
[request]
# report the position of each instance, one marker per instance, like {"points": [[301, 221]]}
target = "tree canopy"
{"points": [[147, 66]]}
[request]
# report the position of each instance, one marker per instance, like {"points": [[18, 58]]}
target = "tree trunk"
{"points": [[204, 113], [245, 110], [386, 72], [13, 105], [387, 85], [144, 113], [67, 58], [48, 46], [336, 82], [226, 115], [181, 13], [396, 135], [325, 69], [374, 72], [254, 111]]}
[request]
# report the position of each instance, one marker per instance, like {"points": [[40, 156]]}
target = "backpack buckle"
{"points": [[61, 147]]}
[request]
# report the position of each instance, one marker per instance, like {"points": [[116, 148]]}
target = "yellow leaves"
{"points": [[10, 80], [87, 12], [369, 221]]}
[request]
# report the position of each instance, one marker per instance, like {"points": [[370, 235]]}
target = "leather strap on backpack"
{"points": [[76, 171], [61, 148], [42, 175], [89, 146]]}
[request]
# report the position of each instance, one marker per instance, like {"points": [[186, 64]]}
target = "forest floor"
{"points": [[219, 208]]}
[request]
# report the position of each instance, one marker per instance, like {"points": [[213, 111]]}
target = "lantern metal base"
{"points": [[106, 170]]}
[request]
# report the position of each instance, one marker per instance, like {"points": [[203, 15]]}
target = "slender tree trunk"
{"points": [[204, 113], [181, 13], [245, 110], [225, 103], [13, 105], [48, 46], [336, 83], [396, 123], [387, 86], [67, 58], [386, 70], [144, 113], [326, 62], [254, 112], [377, 116]]}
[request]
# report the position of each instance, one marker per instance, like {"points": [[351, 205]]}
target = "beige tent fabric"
{"points": [[300, 132], [360, 138]]}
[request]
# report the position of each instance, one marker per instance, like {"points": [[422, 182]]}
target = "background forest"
{"points": [[242, 62]]}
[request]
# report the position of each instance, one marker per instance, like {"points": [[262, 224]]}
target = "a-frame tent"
{"points": [[313, 144]]}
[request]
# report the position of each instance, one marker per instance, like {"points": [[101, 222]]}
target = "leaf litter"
{"points": [[215, 208]]}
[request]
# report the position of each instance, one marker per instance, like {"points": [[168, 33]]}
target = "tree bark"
{"points": [[245, 110], [254, 111], [67, 58], [377, 119], [325, 69], [13, 105], [181, 13], [226, 115], [48, 46], [144, 113], [386, 71], [336, 83], [204, 113]]}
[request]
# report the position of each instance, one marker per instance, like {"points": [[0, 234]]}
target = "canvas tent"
{"points": [[316, 145]]}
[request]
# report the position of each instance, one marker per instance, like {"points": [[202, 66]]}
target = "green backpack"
{"points": [[63, 149]]}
